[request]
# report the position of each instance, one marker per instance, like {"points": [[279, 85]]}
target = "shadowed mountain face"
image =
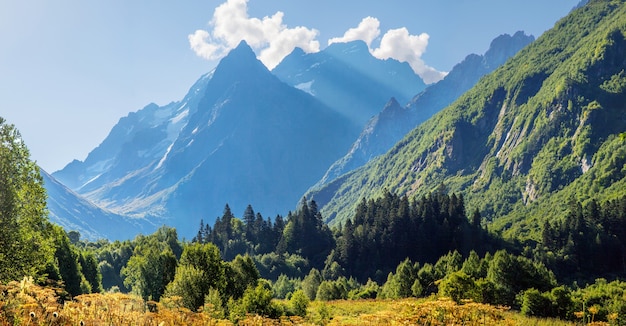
{"points": [[395, 121], [73, 212], [240, 136], [545, 128], [347, 78]]}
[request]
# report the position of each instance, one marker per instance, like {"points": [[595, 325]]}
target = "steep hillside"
{"points": [[74, 213], [347, 78], [395, 121], [545, 127], [241, 136]]}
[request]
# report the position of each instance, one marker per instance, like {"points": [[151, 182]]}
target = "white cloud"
{"points": [[397, 44], [367, 31], [402, 46], [273, 40], [231, 24]]}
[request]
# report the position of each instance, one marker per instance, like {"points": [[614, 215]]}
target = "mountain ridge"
{"points": [[392, 123], [241, 136], [73, 212], [349, 79], [521, 135]]}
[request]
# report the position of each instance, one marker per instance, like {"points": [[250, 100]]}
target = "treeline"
{"points": [[383, 232], [589, 242], [389, 229], [290, 248]]}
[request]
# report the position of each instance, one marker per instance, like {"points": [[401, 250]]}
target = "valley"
{"points": [[339, 188]]}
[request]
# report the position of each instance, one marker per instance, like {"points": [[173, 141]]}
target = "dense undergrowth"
{"points": [[26, 303]]}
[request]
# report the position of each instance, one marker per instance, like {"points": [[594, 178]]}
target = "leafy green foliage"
{"points": [[299, 303], [70, 269], [25, 240], [89, 266], [153, 264], [190, 284], [200, 269]]}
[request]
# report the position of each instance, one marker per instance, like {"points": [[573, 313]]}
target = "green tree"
{"points": [[400, 284], [512, 274], [311, 282], [89, 266], [214, 305], [258, 300], [283, 287], [299, 303], [151, 268], [190, 283], [458, 286], [327, 290], [241, 273], [206, 258], [535, 303], [25, 241], [70, 270], [200, 270]]}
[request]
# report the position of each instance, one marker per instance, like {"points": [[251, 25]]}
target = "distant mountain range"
{"points": [[73, 212], [543, 127], [394, 121], [240, 136], [347, 78], [546, 128]]}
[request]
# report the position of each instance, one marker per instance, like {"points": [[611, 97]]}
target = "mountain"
{"points": [[75, 213], [239, 137], [394, 121], [546, 128], [347, 78]]}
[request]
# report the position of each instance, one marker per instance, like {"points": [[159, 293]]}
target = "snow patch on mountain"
{"points": [[306, 87]]}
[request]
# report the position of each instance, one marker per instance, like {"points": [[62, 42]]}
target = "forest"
{"points": [[535, 239], [394, 247]]}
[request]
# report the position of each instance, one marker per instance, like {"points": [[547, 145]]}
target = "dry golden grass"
{"points": [[23, 303]]}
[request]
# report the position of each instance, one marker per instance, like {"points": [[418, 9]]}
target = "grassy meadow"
{"points": [[24, 303]]}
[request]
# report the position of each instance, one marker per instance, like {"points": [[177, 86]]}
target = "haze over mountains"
{"points": [[245, 135], [543, 130], [395, 120], [346, 77], [73, 212], [239, 137]]}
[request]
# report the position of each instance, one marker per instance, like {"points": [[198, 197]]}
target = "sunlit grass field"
{"points": [[23, 303]]}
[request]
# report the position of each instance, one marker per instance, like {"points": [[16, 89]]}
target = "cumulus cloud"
{"points": [[367, 31], [231, 24], [397, 44], [273, 40], [402, 46]]}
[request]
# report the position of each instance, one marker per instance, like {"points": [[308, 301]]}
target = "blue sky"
{"points": [[70, 69]]}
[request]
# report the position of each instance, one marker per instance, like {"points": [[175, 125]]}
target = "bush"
{"points": [[535, 303], [458, 286], [299, 303]]}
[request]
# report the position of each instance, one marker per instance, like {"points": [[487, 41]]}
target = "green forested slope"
{"points": [[544, 129]]}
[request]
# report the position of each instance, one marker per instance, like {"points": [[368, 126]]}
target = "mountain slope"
{"points": [[74, 213], [394, 121], [540, 129], [241, 137], [347, 78]]}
